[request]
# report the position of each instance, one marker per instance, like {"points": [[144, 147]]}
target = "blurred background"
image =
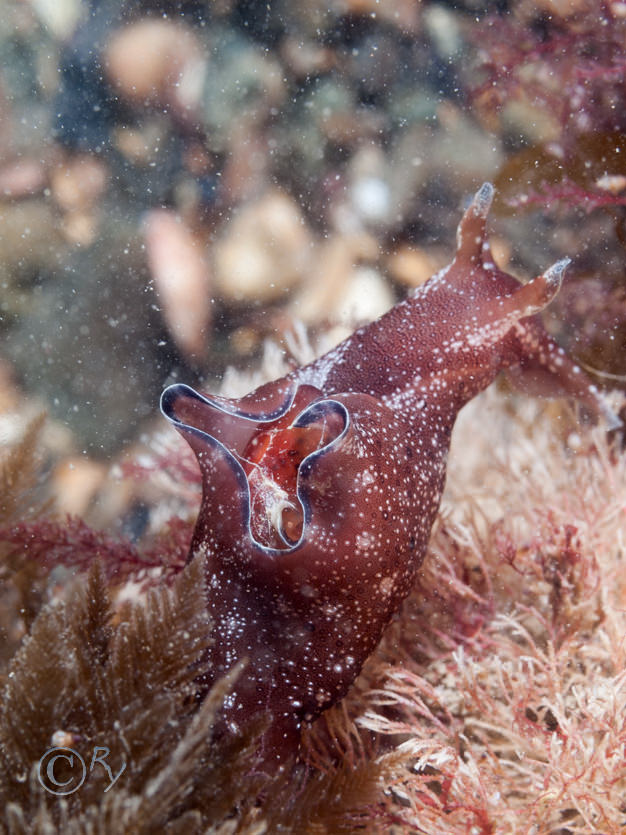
{"points": [[182, 181]]}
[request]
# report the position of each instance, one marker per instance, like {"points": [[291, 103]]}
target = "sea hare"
{"points": [[320, 489]]}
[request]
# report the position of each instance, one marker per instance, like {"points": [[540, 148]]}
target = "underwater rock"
{"points": [[77, 184], [340, 293], [413, 266], [31, 248], [243, 83], [91, 342], [179, 266], [22, 177], [263, 252], [157, 62], [76, 481]]}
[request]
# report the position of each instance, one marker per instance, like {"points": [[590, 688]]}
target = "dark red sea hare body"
{"points": [[320, 489]]}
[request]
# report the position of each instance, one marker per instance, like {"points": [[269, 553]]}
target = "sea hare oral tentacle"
{"points": [[320, 489]]}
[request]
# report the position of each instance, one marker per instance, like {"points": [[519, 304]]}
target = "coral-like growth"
{"points": [[123, 684], [18, 476], [21, 592], [75, 544], [552, 86], [567, 70], [507, 672]]}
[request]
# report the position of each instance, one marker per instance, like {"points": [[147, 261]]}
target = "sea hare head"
{"points": [[310, 522]]}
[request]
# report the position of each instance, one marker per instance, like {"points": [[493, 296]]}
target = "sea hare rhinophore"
{"points": [[320, 489]]}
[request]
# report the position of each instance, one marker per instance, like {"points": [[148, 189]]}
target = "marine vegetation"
{"points": [[496, 699]]}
